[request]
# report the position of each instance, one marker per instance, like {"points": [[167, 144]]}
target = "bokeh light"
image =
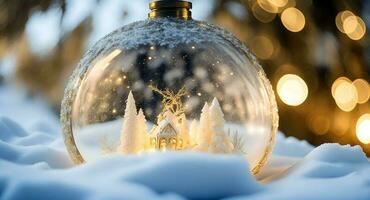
{"points": [[360, 29], [363, 90], [319, 123], [268, 6], [292, 89], [293, 19], [363, 129], [345, 94], [272, 6], [261, 14], [262, 46], [278, 3], [350, 24], [341, 122], [337, 82], [339, 19]]}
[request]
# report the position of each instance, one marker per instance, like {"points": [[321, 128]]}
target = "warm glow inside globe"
{"points": [[169, 85]]}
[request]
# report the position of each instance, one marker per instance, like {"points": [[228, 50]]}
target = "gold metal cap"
{"points": [[170, 8]]}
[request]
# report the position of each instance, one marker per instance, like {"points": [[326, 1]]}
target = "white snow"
{"points": [[35, 165]]}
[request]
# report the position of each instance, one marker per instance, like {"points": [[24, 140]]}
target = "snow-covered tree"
{"points": [[204, 133], [129, 134], [184, 130], [142, 136], [193, 132], [220, 143]]}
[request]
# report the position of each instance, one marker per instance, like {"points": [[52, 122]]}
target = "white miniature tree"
{"points": [[128, 142], [143, 137], [193, 132], [204, 133], [184, 130], [220, 142]]}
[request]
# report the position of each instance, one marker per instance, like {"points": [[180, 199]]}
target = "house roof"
{"points": [[163, 128]]}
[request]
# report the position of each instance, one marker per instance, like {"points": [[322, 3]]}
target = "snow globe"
{"points": [[169, 83]]}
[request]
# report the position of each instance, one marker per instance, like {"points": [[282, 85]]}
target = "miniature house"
{"points": [[165, 135]]}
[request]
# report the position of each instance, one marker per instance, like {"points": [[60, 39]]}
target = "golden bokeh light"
{"points": [[319, 124], [272, 6], [268, 6], [350, 24], [262, 46], [363, 90], [339, 19], [278, 3], [363, 129], [359, 30], [293, 19], [341, 122], [261, 14], [337, 82], [345, 94], [292, 89]]}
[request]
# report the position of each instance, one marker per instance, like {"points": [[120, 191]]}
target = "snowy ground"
{"points": [[35, 165]]}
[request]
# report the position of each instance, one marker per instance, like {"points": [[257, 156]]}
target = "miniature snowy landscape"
{"points": [[172, 130], [133, 134], [35, 165]]}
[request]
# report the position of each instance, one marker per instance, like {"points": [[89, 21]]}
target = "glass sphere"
{"points": [[169, 84]]}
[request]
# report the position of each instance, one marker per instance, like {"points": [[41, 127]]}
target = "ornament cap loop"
{"points": [[170, 8]]}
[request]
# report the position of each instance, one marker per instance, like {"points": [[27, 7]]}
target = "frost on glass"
{"points": [[168, 84]]}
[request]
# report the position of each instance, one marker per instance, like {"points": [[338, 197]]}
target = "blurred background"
{"points": [[315, 53]]}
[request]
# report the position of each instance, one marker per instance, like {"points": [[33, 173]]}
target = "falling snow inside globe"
{"points": [[169, 83]]}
